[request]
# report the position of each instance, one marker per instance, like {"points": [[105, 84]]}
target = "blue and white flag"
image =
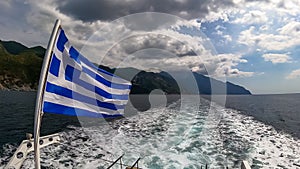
{"points": [[76, 87]]}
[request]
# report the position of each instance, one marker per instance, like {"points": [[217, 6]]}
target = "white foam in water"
{"points": [[169, 138], [269, 148]]}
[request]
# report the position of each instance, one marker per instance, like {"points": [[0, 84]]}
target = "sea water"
{"points": [[183, 134]]}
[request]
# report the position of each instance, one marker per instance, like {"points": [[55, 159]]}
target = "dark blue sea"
{"points": [[262, 129]]}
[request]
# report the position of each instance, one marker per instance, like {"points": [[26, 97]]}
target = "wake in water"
{"points": [[173, 137]]}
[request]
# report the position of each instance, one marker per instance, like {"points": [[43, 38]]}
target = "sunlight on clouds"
{"points": [[277, 58], [227, 64], [292, 29], [284, 7], [294, 74], [252, 17], [269, 41], [228, 38]]}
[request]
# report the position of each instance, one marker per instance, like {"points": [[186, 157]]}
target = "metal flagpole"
{"points": [[39, 98]]}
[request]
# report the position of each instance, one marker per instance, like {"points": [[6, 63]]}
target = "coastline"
{"points": [[9, 82], [17, 88]]}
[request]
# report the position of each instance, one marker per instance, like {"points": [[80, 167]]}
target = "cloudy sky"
{"points": [[252, 43]]}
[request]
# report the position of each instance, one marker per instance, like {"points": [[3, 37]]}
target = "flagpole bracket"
{"points": [[27, 146]]}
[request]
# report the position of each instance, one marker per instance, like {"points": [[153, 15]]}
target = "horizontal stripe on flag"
{"points": [[52, 88], [113, 78], [76, 88], [73, 76], [104, 81], [71, 111], [57, 99], [86, 77]]}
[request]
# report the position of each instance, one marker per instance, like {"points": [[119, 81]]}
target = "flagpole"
{"points": [[39, 98]]}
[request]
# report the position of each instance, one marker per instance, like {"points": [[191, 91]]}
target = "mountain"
{"points": [[16, 48], [38, 50], [209, 86], [20, 67], [144, 82], [19, 71], [13, 47]]}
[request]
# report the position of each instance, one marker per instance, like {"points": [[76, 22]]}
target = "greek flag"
{"points": [[76, 87]]}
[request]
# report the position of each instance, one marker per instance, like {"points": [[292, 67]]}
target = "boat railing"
{"points": [[244, 164], [118, 161], [27, 146]]}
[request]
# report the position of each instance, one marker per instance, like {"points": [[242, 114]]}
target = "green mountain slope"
{"points": [[38, 50], [13, 47], [20, 71], [16, 48]]}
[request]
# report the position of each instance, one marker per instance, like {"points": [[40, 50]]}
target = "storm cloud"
{"points": [[92, 10]]}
